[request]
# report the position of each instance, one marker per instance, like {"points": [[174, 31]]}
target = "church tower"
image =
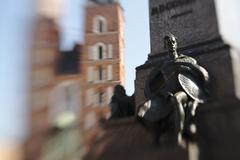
{"points": [[102, 62]]}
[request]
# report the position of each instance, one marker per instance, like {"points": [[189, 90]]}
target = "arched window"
{"points": [[100, 51], [99, 24], [100, 73]]}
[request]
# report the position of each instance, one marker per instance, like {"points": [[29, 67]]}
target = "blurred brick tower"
{"points": [[102, 61], [45, 49], [45, 44]]}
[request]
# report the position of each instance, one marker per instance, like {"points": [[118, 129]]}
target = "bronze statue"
{"points": [[175, 89], [121, 105]]}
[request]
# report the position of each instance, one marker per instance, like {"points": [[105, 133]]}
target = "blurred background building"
{"points": [[71, 90], [43, 76]]}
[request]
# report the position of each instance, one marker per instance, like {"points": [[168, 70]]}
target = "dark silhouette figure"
{"points": [[121, 105]]}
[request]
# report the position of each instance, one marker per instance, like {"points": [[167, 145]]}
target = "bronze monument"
{"points": [[174, 90]]}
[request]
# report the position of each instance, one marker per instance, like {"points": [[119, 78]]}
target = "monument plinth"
{"points": [[194, 23]]}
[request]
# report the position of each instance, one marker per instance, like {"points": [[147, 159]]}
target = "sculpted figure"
{"points": [[121, 105], [174, 90]]}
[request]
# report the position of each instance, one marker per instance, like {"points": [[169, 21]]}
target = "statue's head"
{"points": [[119, 90], [170, 43]]}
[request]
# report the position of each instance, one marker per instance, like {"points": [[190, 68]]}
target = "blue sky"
{"points": [[14, 64], [136, 33], [137, 38]]}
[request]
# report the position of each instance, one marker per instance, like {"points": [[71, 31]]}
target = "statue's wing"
{"points": [[193, 87]]}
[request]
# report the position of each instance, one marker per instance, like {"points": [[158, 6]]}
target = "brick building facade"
{"points": [[43, 62], [102, 61]]}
